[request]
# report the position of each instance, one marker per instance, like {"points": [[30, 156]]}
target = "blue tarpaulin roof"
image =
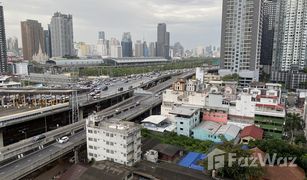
{"points": [[191, 159]]}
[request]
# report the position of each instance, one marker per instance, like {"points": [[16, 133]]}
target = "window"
{"points": [[90, 154], [181, 122], [90, 139], [181, 129], [90, 131], [91, 147]]}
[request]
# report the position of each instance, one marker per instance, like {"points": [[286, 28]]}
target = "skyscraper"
{"points": [[139, 49], [3, 55], [269, 14], [163, 40], [290, 39], [47, 38], [101, 35], [61, 28], [12, 45], [241, 36], [32, 35], [127, 45], [152, 49], [178, 50], [115, 48], [145, 49]]}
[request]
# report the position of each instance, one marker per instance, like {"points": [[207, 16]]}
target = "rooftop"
{"points": [[184, 110], [167, 149], [154, 119], [252, 131], [106, 170], [123, 127]]}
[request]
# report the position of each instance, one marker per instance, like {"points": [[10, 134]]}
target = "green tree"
{"points": [[294, 123], [239, 169]]}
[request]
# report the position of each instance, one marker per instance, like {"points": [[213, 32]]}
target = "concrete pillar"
{"points": [[150, 111], [80, 114], [76, 156], [1, 138], [2, 101]]}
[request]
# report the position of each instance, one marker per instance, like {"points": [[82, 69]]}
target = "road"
{"points": [[29, 162]]}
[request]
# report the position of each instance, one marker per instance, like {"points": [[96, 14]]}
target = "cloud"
{"points": [[191, 22]]}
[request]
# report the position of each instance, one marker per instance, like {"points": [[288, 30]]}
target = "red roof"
{"points": [[252, 131]]}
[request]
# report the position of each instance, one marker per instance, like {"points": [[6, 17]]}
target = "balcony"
{"points": [[270, 110]]}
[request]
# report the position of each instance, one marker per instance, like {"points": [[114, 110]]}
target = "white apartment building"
{"points": [[119, 142], [172, 98], [290, 39], [61, 28]]}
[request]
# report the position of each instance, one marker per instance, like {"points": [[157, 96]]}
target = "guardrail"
{"points": [[23, 171], [17, 150]]}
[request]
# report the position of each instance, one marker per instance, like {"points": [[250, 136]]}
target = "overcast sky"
{"points": [[191, 22]]}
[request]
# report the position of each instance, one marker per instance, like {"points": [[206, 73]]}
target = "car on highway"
{"points": [[63, 139], [39, 137], [120, 89]]}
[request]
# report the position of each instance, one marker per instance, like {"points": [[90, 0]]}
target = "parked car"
{"points": [[63, 139]]}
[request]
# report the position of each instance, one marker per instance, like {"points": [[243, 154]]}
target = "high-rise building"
{"points": [[12, 45], [178, 50], [152, 51], [32, 34], [163, 41], [241, 37], [115, 48], [269, 14], [127, 45], [47, 38], [101, 35], [139, 49], [290, 39], [61, 28], [3, 55], [145, 49]]}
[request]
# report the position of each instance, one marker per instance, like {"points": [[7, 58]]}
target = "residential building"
{"points": [[242, 109], [32, 34], [290, 40], [3, 55], [152, 51], [251, 133], [293, 79], [127, 45], [6, 82], [119, 142], [139, 49], [216, 108], [241, 38], [163, 41], [186, 118], [305, 115], [158, 123], [62, 38], [268, 29], [178, 50], [199, 75], [21, 68], [213, 131]]}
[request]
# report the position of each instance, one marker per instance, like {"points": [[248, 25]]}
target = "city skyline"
{"points": [[193, 17]]}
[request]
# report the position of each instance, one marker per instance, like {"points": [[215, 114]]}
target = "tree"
{"points": [[294, 123], [238, 170], [231, 77]]}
